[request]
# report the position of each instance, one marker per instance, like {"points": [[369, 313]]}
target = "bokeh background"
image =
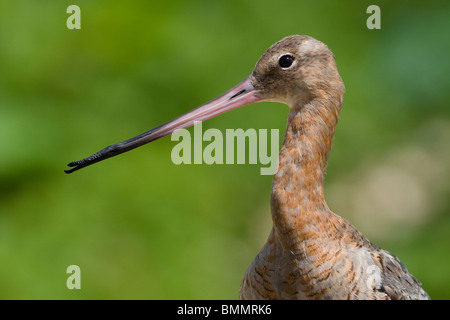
{"points": [[141, 227]]}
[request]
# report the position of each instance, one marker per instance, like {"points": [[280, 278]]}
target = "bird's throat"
{"points": [[297, 191]]}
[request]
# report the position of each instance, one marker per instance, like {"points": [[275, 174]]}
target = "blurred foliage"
{"points": [[141, 227]]}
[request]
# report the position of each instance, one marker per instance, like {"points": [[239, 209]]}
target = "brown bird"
{"points": [[311, 252]]}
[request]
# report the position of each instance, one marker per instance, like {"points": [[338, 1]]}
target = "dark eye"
{"points": [[286, 61]]}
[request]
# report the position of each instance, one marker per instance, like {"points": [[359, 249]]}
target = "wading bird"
{"points": [[311, 252]]}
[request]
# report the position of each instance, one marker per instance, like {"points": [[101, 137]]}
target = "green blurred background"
{"points": [[141, 227]]}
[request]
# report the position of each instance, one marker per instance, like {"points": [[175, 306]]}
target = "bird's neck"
{"points": [[297, 198]]}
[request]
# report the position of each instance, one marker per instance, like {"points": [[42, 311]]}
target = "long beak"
{"points": [[242, 94]]}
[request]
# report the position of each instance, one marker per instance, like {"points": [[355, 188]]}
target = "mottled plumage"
{"points": [[311, 252]]}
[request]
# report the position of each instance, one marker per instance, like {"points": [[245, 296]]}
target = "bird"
{"points": [[311, 252]]}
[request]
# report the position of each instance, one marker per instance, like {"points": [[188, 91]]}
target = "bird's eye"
{"points": [[286, 61]]}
